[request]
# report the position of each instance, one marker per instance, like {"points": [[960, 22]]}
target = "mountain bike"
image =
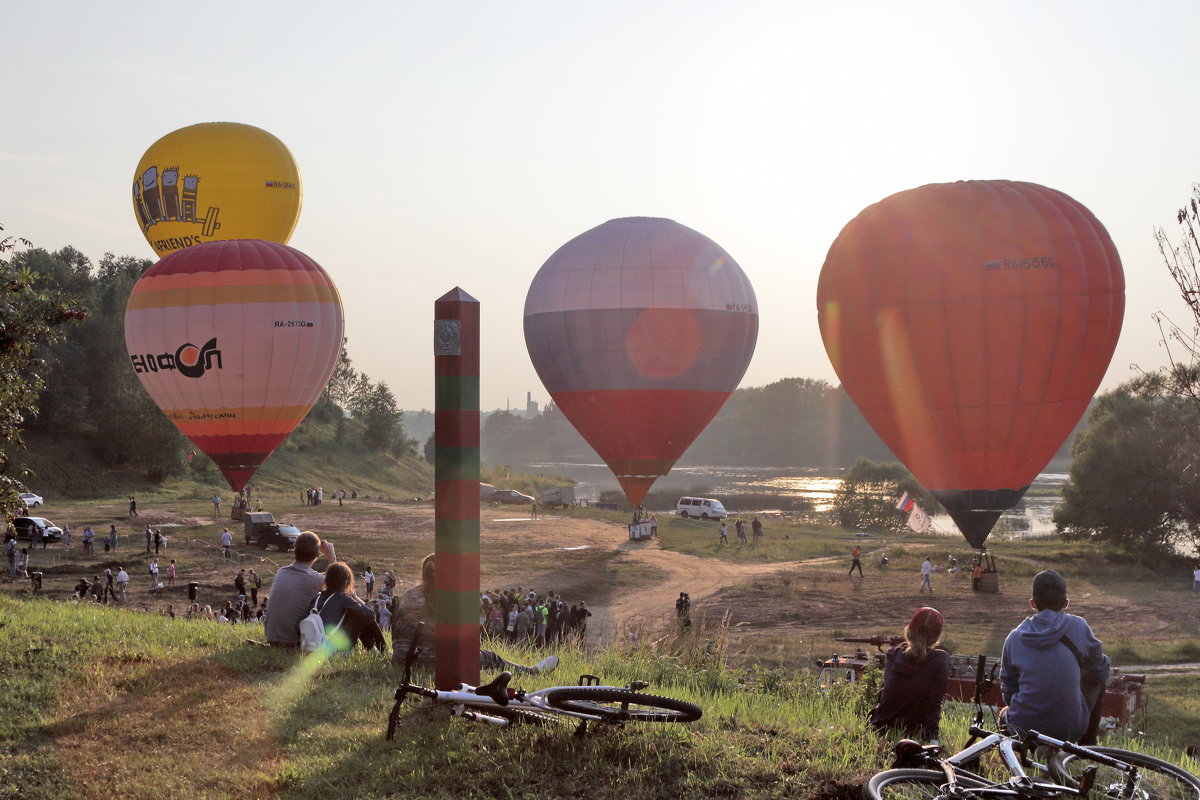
{"points": [[497, 703], [1071, 769]]}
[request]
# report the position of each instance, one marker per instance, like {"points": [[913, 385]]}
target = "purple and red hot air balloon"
{"points": [[971, 323], [235, 341], [640, 329]]}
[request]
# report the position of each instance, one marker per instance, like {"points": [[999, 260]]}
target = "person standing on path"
{"points": [[926, 571], [122, 583], [216, 501], [855, 562], [724, 533], [226, 542]]}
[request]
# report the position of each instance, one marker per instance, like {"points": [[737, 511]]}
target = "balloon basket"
{"points": [[989, 583]]}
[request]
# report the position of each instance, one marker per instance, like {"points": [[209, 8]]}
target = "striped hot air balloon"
{"points": [[640, 329], [235, 341]]}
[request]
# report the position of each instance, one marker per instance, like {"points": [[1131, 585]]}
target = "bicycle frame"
{"points": [[497, 704], [466, 702]]}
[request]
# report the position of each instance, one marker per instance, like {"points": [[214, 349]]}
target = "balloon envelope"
{"points": [[214, 181], [235, 342], [971, 323], [640, 329]]}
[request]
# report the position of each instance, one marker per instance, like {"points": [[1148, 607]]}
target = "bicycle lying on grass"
{"points": [[498, 704], [1071, 769]]}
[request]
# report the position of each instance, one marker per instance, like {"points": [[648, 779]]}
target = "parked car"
{"points": [[559, 496], [39, 527], [702, 507], [262, 529], [30, 499], [511, 496]]}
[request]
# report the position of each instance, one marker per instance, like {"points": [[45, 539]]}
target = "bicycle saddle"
{"points": [[496, 689]]}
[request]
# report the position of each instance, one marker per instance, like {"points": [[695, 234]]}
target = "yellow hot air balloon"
{"points": [[216, 180]]}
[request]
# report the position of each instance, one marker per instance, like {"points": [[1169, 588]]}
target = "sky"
{"points": [[460, 144]]}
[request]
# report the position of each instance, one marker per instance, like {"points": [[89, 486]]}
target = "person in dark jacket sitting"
{"points": [[338, 604], [915, 677]]}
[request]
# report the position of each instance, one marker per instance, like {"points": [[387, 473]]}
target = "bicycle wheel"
{"points": [[622, 705], [912, 784], [1156, 779]]}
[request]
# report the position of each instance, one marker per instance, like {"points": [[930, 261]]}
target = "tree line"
{"points": [[74, 380]]}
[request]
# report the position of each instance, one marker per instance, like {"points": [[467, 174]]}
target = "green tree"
{"points": [[380, 416], [1134, 480], [345, 378], [31, 313], [866, 500]]}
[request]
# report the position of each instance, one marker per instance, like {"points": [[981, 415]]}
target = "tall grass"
{"points": [[102, 702]]}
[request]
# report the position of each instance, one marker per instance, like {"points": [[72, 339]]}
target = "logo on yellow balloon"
{"points": [[159, 196]]}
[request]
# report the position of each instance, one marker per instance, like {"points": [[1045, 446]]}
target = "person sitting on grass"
{"points": [[293, 590], [416, 606], [915, 676], [1053, 668], [340, 607]]}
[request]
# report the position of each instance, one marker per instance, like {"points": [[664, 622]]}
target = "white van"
{"points": [[702, 507]]}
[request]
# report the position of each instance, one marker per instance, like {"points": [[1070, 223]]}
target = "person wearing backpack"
{"points": [[340, 608], [294, 588]]}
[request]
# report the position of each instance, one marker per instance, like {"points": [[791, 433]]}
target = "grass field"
{"points": [[104, 702]]}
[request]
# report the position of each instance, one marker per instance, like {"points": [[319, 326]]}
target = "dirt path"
{"points": [[671, 573]]}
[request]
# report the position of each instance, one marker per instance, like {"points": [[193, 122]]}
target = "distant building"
{"points": [[531, 408]]}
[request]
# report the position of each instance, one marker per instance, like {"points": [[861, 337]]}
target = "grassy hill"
{"points": [[102, 702], [321, 452]]}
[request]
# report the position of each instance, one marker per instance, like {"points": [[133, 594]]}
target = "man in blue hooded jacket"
{"points": [[1040, 672]]}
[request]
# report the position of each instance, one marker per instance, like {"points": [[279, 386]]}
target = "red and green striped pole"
{"points": [[456, 490]]}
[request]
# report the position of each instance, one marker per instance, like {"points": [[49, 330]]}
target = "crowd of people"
{"points": [[315, 496], [520, 615]]}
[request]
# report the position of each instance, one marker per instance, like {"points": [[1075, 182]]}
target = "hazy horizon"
{"points": [[444, 146]]}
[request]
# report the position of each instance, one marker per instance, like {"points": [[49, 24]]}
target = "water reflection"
{"points": [[1031, 519]]}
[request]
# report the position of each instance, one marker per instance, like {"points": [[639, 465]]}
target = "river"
{"points": [[1032, 519]]}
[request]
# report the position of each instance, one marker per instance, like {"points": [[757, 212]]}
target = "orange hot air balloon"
{"points": [[640, 329], [235, 341], [971, 323], [216, 180]]}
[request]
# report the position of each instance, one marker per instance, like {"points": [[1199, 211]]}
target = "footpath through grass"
{"points": [[103, 702]]}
